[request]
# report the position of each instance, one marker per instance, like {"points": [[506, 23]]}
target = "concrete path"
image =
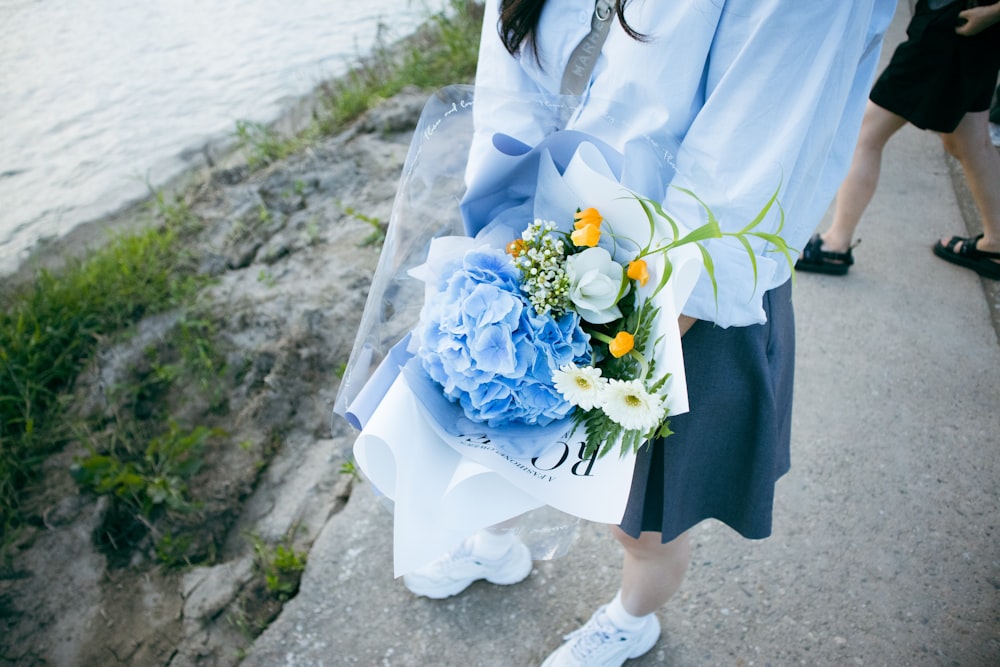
{"points": [[886, 549]]}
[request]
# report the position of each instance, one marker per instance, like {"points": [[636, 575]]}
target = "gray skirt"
{"points": [[726, 454]]}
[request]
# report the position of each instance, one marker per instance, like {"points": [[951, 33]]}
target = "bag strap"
{"points": [[584, 57]]}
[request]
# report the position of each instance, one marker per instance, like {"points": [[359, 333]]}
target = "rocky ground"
{"points": [[290, 249]]}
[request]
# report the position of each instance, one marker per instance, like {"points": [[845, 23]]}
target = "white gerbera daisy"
{"points": [[580, 386], [629, 404]]}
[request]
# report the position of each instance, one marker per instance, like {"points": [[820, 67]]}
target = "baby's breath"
{"points": [[541, 259]]}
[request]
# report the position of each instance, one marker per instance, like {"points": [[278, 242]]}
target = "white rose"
{"points": [[595, 282]]}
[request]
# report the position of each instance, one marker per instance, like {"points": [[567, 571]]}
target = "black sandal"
{"points": [[969, 256], [816, 260]]}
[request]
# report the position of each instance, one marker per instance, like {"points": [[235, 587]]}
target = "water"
{"points": [[101, 98]]}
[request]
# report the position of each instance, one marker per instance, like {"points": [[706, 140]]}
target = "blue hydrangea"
{"points": [[481, 340]]}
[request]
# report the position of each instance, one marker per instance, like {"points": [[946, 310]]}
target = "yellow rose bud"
{"points": [[637, 270], [622, 344], [587, 217], [588, 235]]}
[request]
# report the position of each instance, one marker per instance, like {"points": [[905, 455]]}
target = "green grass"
{"points": [[263, 145], [147, 479], [442, 52], [50, 327], [280, 565]]}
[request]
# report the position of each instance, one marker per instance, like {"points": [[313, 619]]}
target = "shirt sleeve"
{"points": [[784, 91]]}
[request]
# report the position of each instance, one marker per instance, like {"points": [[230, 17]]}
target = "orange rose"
{"points": [[622, 344], [586, 235], [516, 247], [637, 270], [586, 217]]}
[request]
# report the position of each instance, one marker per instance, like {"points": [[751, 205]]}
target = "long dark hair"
{"points": [[519, 20]]}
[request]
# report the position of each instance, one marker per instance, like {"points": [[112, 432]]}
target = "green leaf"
{"points": [[771, 238], [763, 212], [663, 214], [644, 203], [656, 386], [753, 258], [706, 259], [710, 230]]}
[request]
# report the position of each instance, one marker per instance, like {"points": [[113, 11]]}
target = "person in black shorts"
{"points": [[942, 79]]}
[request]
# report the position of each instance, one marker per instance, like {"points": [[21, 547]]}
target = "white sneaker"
{"points": [[452, 573], [995, 134], [601, 643]]}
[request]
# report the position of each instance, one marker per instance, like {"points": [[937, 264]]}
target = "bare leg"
{"points": [[652, 571], [971, 146], [858, 188]]}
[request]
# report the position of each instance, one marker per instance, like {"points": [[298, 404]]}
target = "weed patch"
{"points": [[379, 228], [443, 51], [50, 327], [263, 145], [144, 483]]}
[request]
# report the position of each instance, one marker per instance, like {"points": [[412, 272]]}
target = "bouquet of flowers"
{"points": [[540, 332], [559, 324]]}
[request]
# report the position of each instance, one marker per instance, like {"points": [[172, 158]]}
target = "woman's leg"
{"points": [[859, 186], [971, 146], [626, 627], [652, 571]]}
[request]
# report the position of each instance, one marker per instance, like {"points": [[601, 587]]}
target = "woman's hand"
{"points": [[976, 19], [684, 323]]}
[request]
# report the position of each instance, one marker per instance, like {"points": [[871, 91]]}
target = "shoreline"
{"points": [[92, 160], [295, 114], [287, 251], [223, 152], [290, 266]]}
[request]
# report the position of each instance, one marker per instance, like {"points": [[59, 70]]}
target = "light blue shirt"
{"points": [[759, 93]]}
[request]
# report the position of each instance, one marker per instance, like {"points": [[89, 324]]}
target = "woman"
{"points": [[941, 78], [759, 93]]}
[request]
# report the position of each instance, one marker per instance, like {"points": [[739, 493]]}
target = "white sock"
{"points": [[624, 620], [489, 545]]}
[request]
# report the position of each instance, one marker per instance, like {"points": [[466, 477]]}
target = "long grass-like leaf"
{"points": [[644, 203], [710, 269], [708, 210], [753, 258], [668, 270], [763, 212], [710, 230], [675, 229]]}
